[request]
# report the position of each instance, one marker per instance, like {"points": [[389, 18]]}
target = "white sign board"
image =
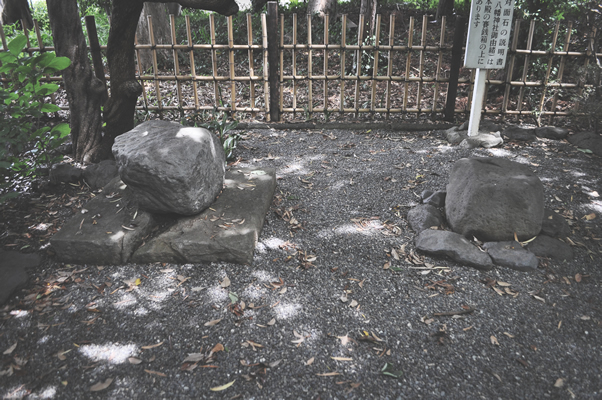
{"points": [[488, 34]]}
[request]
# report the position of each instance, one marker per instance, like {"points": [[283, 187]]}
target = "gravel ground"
{"points": [[336, 304]]}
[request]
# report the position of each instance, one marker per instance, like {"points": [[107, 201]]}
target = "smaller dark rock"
{"points": [[98, 175], [65, 173], [436, 199], [512, 255], [426, 193], [551, 132], [554, 225], [13, 275], [424, 217], [454, 246], [587, 140], [545, 246], [514, 132]]}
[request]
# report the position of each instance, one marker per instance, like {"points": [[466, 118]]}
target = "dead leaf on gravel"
{"points": [[329, 374], [511, 336], [344, 340], [272, 322], [134, 360], [344, 298], [10, 349], [61, 354], [589, 217], [217, 348], [310, 361], [578, 278], [503, 283], [342, 358], [559, 383], [148, 371], [223, 387], [151, 346], [225, 283], [585, 317], [101, 385], [213, 322], [353, 303], [194, 357], [494, 340]]}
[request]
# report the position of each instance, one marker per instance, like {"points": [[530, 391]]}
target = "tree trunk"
{"points": [[161, 33], [368, 9], [445, 7], [322, 7], [84, 91]]}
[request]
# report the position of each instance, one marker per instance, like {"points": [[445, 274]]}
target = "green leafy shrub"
{"points": [[26, 144]]}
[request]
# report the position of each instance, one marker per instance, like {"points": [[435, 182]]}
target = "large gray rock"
{"points": [[13, 271], [423, 217], [106, 231], [454, 246], [514, 132], [512, 255], [227, 231], [545, 246], [492, 198], [171, 168]]}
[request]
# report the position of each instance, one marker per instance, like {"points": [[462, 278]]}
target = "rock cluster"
{"points": [[493, 202]]}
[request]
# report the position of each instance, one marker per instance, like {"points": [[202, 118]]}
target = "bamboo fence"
{"points": [[403, 70]]}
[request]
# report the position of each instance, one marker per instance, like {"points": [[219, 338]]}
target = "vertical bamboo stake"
{"points": [[155, 67], [273, 61], [525, 68], [408, 63], [176, 62], [375, 65], [214, 62], [144, 97], [510, 68], [421, 65], [309, 66], [542, 101], [343, 54], [567, 42], [264, 43], [4, 44], [192, 67], [390, 64], [281, 52], [231, 62], [251, 64], [294, 64], [358, 63], [439, 63], [38, 35], [325, 65]]}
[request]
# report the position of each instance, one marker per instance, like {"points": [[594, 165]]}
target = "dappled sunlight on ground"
{"points": [[111, 353], [287, 310]]}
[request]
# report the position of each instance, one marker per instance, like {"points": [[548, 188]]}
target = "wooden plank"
{"points": [[567, 42], [216, 93], [176, 62], [326, 27], [390, 61], [192, 66], [375, 64], [343, 56], [272, 26], [231, 65], [251, 63], [408, 62], [526, 64]]}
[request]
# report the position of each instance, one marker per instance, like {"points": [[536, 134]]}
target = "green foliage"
{"points": [[26, 144]]}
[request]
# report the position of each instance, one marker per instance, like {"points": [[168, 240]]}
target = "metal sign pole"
{"points": [[478, 93]]}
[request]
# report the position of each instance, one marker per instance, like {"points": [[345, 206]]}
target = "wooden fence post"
{"points": [[456, 63], [273, 77]]}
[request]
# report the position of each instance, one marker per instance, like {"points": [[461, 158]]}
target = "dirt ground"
{"points": [[337, 303]]}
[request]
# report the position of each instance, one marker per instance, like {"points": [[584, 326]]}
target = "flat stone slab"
{"points": [[107, 231], [227, 231]]}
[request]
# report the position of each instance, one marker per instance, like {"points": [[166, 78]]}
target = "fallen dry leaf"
{"points": [[213, 322], [329, 374], [148, 371], [217, 348], [494, 340], [272, 322], [225, 283], [134, 360], [353, 303], [578, 277], [101, 385], [310, 361], [10, 349], [223, 387], [589, 217], [559, 383], [152, 346], [344, 340], [342, 358]]}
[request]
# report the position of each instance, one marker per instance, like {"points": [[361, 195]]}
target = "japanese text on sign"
{"points": [[488, 33]]}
